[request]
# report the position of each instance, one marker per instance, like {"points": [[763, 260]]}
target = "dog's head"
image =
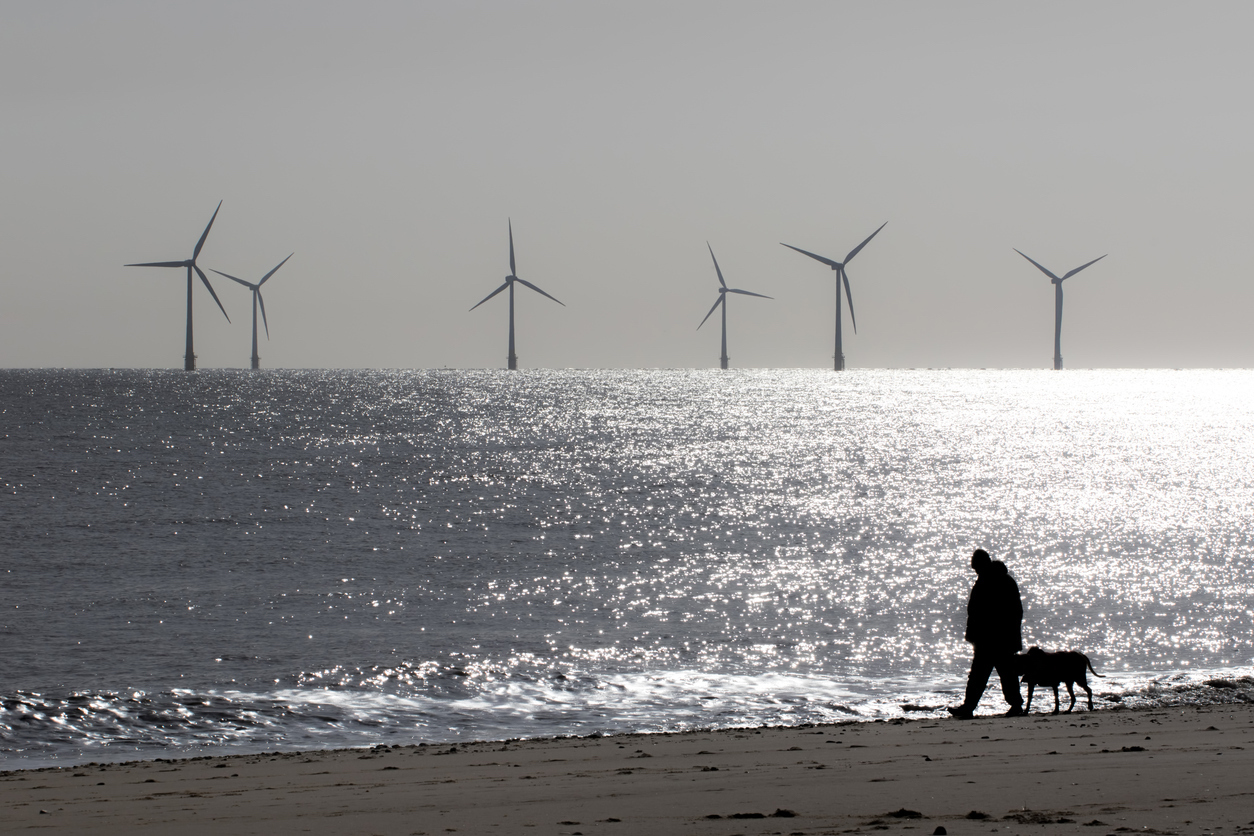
{"points": [[1025, 662]]}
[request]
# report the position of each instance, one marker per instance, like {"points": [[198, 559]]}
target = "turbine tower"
{"points": [[1057, 282], [841, 277], [510, 281], [189, 356], [723, 290], [257, 300]]}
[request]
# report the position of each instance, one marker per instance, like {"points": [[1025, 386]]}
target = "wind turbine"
{"points": [[189, 356], [841, 277], [723, 290], [510, 281], [257, 300], [1057, 282]]}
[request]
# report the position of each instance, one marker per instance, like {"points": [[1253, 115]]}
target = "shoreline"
{"points": [[1232, 686], [1176, 769]]}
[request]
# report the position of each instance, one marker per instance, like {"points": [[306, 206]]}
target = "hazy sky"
{"points": [[387, 144]]}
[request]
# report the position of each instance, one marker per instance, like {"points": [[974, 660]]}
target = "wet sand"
{"points": [[1166, 770]]}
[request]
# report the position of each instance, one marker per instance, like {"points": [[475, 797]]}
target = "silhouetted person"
{"points": [[994, 622]]}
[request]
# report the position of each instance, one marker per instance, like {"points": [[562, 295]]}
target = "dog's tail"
{"points": [[1090, 664]]}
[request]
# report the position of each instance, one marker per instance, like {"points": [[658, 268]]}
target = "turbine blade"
{"points": [[261, 301], [849, 296], [158, 264], [538, 290], [272, 272], [834, 265], [716, 270], [512, 269], [1042, 269], [858, 248], [490, 295], [203, 236], [721, 298], [748, 293], [205, 279], [1082, 266], [248, 285]]}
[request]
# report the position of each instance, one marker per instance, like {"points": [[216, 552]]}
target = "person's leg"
{"points": [[1008, 671], [981, 668]]}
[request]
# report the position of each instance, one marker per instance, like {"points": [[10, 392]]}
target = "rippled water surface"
{"points": [[295, 559]]}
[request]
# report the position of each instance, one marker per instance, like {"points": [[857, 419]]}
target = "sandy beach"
{"points": [[1166, 770]]}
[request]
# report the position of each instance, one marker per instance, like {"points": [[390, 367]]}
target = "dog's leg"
{"points": [[1085, 685], [1031, 688], [1056, 703], [1071, 692]]}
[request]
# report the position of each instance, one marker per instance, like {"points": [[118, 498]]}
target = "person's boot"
{"points": [[970, 700]]}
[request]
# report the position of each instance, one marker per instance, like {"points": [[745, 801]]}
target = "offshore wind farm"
{"points": [[839, 267], [386, 149]]}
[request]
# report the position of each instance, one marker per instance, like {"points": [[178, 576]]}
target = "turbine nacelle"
{"points": [[1059, 279]]}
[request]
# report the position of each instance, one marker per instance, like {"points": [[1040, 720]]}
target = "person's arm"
{"points": [[977, 615]]}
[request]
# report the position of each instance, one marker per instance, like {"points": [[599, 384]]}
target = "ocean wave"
{"points": [[48, 729]]}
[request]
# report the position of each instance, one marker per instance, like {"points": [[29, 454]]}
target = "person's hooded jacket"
{"points": [[995, 611]]}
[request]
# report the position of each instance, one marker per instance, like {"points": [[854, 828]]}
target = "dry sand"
{"points": [[1174, 770]]}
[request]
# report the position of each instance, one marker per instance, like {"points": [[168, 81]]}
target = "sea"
{"points": [[232, 561]]}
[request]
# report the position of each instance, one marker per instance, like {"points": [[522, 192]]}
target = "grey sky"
{"points": [[388, 143]]}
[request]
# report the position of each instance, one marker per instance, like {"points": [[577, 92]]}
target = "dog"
{"points": [[1037, 667]]}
